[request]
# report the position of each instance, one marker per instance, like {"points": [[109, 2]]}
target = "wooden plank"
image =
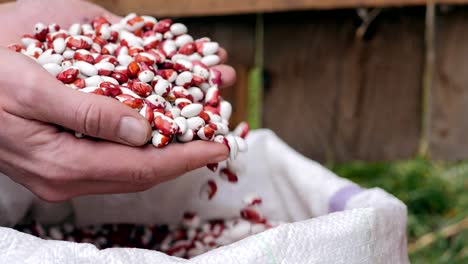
{"points": [[450, 96], [336, 97], [303, 66], [237, 36], [222, 7], [379, 106]]}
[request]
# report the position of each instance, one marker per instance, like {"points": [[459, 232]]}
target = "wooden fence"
{"points": [[334, 96], [181, 8]]}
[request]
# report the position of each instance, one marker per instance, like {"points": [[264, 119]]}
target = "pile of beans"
{"points": [[158, 69], [187, 240], [154, 67]]}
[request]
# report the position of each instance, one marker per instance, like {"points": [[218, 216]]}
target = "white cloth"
{"points": [[370, 229], [15, 201]]}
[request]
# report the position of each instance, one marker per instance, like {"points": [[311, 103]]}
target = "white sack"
{"points": [[15, 201], [369, 227]]}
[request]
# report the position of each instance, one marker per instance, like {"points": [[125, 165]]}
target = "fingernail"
{"points": [[133, 130]]}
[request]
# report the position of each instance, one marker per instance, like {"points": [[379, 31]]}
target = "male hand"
{"points": [[56, 166]]}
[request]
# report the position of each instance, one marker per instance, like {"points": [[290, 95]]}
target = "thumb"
{"points": [[42, 97], [93, 115]]}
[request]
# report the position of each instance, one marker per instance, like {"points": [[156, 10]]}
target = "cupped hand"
{"points": [[37, 153]]}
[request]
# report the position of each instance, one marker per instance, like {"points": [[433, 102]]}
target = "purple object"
{"points": [[340, 198]]}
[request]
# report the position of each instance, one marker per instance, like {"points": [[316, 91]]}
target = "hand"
{"points": [[54, 164], [57, 166]]}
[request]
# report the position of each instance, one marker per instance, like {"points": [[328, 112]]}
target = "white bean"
{"points": [[93, 81], [195, 123], [191, 110], [86, 68], [59, 45], [182, 123], [178, 29], [53, 68], [211, 60]]}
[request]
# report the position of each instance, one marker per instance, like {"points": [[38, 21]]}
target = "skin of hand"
{"points": [[36, 152]]}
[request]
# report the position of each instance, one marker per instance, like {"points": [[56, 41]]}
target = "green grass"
{"points": [[436, 194]]}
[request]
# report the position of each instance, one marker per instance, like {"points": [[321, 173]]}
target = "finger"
{"points": [[228, 75], [90, 114], [189, 156], [112, 18], [96, 116], [7, 7], [63, 192], [109, 170], [113, 162], [44, 98], [223, 55]]}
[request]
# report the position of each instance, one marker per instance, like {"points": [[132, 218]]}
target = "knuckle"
{"points": [[88, 117], [140, 176], [189, 165], [145, 178]]}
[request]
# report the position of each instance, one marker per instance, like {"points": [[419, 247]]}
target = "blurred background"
{"points": [[375, 89]]}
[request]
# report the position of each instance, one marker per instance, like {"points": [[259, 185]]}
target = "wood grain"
{"points": [[450, 96], [237, 36], [380, 103], [339, 98], [222, 7], [300, 104]]}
